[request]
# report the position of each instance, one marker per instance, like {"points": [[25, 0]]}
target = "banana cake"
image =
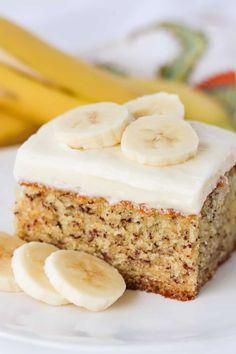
{"points": [[154, 196]]}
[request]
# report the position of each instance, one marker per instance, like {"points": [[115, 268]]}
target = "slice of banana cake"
{"points": [[136, 185]]}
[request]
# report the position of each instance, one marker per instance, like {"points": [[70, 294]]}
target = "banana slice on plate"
{"points": [[159, 141], [84, 280], [162, 103], [7, 246], [28, 268], [92, 126]]}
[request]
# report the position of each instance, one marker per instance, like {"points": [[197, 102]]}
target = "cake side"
{"points": [[217, 227], [155, 250]]}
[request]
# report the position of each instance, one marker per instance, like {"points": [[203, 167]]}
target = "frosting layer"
{"points": [[107, 173]]}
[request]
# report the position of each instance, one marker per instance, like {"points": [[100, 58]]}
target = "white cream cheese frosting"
{"points": [[107, 173]]}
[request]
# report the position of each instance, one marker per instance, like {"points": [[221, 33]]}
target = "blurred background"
{"points": [[114, 50]]}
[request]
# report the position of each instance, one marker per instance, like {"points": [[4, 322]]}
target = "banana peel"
{"points": [[13, 129], [198, 105], [72, 74], [33, 100]]}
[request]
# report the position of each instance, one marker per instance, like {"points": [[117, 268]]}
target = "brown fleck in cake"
{"points": [[166, 229]]}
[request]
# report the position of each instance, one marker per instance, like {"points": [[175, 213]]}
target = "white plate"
{"points": [[137, 323]]}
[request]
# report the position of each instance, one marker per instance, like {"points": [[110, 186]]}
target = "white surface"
{"points": [[66, 24], [137, 323], [108, 173]]}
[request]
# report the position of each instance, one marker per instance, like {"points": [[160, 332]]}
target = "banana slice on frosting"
{"points": [[162, 103], [7, 246], [92, 126], [159, 141], [28, 268], [84, 280]]}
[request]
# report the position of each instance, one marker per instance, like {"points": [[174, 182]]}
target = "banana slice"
{"points": [[7, 246], [92, 126], [27, 263], [84, 280], [159, 141], [162, 103]]}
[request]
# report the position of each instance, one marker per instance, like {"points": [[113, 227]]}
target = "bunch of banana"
{"points": [[42, 82], [39, 82]]}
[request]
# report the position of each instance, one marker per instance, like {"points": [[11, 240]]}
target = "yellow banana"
{"points": [[35, 101], [13, 129], [74, 75], [34, 98], [198, 105]]}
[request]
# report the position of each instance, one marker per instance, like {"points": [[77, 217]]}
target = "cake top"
{"points": [[108, 172]]}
